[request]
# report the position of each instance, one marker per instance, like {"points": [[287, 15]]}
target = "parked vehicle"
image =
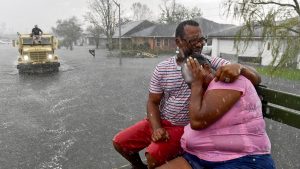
{"points": [[5, 41], [37, 56], [207, 50]]}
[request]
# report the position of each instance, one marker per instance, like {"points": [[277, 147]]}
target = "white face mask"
{"points": [[186, 73]]}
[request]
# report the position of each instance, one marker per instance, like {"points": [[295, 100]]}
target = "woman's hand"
{"points": [[229, 73], [198, 74]]}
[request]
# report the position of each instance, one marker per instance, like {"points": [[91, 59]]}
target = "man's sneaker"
{"points": [[140, 167]]}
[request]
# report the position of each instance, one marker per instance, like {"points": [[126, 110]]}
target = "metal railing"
{"points": [[280, 106]]}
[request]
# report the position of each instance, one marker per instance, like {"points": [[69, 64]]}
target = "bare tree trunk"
{"points": [[71, 45], [97, 43], [102, 14]]}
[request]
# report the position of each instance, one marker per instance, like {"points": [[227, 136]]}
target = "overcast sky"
{"points": [[22, 15]]}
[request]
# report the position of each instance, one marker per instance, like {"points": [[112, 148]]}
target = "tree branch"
{"points": [[292, 30], [297, 7], [274, 3]]}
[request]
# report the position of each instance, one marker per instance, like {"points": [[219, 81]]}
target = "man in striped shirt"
{"points": [[168, 102]]}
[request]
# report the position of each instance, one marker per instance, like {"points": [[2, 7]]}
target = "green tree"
{"points": [[2, 28], [69, 30], [279, 24], [140, 11], [96, 32], [195, 13], [173, 12], [102, 13]]}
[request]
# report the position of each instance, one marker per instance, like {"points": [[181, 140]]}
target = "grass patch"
{"points": [[285, 73]]}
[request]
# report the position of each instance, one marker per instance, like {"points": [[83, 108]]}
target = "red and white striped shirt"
{"points": [[167, 79]]}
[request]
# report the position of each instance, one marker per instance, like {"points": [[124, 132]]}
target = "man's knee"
{"points": [[122, 143], [152, 161], [116, 145], [117, 142], [156, 158]]}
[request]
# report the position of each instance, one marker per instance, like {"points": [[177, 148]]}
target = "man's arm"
{"points": [[251, 74], [41, 31], [155, 118]]}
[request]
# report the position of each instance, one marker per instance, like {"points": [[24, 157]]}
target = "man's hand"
{"points": [[160, 134], [229, 73]]}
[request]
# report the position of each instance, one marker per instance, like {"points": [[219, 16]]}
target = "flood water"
{"points": [[67, 120]]}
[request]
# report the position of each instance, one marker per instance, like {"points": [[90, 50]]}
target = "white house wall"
{"points": [[266, 56], [222, 46], [227, 46], [215, 47]]}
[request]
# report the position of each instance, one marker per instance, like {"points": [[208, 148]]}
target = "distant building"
{"points": [[156, 37], [223, 46], [162, 36], [7, 39], [127, 30], [209, 26]]}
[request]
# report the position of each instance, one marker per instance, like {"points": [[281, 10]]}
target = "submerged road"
{"points": [[67, 120]]}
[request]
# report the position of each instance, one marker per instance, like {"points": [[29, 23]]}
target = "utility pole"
{"points": [[120, 41]]}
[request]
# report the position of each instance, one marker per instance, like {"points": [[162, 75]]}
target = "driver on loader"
{"points": [[36, 34]]}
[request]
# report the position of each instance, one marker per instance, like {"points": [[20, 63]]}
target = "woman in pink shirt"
{"points": [[227, 129]]}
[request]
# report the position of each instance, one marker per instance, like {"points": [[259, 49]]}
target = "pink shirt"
{"points": [[241, 131]]}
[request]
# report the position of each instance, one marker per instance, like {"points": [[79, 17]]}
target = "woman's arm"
{"points": [[205, 109]]}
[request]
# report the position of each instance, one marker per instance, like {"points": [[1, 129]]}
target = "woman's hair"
{"points": [[201, 59]]}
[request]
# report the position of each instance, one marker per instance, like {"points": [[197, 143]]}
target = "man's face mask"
{"points": [[186, 73]]}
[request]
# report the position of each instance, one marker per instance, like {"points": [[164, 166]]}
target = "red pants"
{"points": [[138, 137]]}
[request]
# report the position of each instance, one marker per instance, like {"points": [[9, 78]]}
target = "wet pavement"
{"points": [[67, 120]]}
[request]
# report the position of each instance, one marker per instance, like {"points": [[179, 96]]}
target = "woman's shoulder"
{"points": [[240, 84], [240, 80]]}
